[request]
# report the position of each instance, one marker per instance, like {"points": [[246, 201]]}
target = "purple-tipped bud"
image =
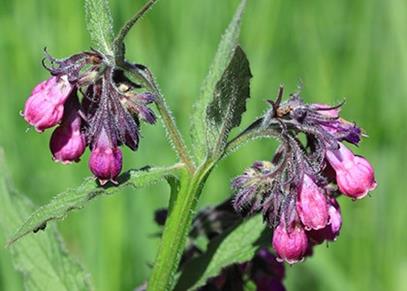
{"points": [[354, 174], [105, 159], [67, 142], [331, 231], [290, 243], [312, 207], [45, 107]]}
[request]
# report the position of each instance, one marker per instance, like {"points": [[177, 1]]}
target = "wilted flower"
{"points": [[342, 129], [354, 174]]}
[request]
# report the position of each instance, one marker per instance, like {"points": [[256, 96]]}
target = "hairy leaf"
{"points": [[229, 101], [100, 25], [77, 198], [237, 245], [42, 260], [222, 58]]}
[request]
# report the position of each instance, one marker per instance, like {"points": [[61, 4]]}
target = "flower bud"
{"points": [[45, 107], [354, 174], [67, 142], [105, 159], [331, 231], [312, 207], [290, 243]]}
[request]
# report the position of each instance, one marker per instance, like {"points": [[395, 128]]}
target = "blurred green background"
{"points": [[339, 49]]}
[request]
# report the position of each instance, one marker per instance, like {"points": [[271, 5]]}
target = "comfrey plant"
{"points": [[281, 207]]}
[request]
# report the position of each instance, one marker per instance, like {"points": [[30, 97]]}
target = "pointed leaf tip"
{"points": [[223, 55]]}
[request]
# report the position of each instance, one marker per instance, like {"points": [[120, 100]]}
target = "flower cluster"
{"points": [[297, 190], [93, 104]]}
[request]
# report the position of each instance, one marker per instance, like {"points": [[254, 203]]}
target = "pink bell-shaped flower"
{"points": [[331, 231], [45, 107], [354, 174], [105, 159], [312, 207], [67, 142], [290, 243]]}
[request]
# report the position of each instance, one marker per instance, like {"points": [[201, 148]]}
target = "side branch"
{"points": [[144, 75]]}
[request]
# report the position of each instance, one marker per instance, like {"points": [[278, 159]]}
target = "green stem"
{"points": [[174, 133], [180, 218], [250, 134], [118, 43], [176, 230], [169, 122]]}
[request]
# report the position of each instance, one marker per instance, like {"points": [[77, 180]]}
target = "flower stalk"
{"points": [[118, 43], [176, 229], [166, 116]]}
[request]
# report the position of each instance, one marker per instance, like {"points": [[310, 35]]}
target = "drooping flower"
{"points": [[106, 117], [290, 242], [354, 174], [296, 191], [67, 142], [45, 107], [312, 207], [105, 160], [331, 231]]}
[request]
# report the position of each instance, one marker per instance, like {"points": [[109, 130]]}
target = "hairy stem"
{"points": [[118, 43], [252, 132], [174, 133], [168, 120], [176, 229]]}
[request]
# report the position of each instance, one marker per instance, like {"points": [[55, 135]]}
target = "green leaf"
{"points": [[99, 23], [42, 260], [77, 198], [229, 102], [222, 58], [237, 245]]}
